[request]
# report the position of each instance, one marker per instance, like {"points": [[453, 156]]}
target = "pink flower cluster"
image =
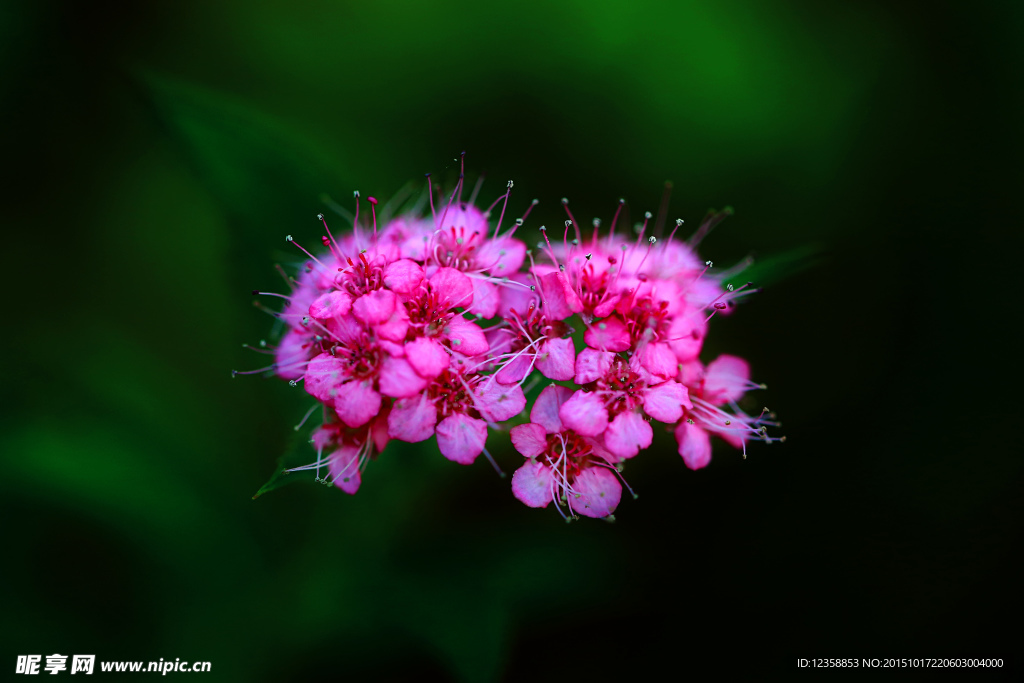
{"points": [[440, 326]]}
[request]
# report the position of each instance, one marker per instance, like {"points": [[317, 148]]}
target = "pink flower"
{"points": [[650, 320], [722, 383], [295, 350], [523, 343], [355, 374], [609, 334], [620, 395], [457, 406], [372, 326], [461, 242], [438, 326], [430, 312], [558, 295], [563, 465], [343, 453]]}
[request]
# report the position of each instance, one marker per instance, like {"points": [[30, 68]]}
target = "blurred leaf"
{"points": [[256, 166], [773, 269], [101, 471]]}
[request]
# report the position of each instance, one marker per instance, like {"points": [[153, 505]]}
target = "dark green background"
{"points": [[156, 156]]}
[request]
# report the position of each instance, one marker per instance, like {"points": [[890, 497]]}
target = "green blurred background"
{"points": [[158, 153]]}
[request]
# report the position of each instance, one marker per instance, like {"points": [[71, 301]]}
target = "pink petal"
{"points": [[452, 287], [324, 375], [556, 358], [691, 374], [606, 307], [485, 298], [529, 439], [545, 408], [303, 295], [627, 434], [592, 365], [323, 437], [409, 235], [344, 468], [345, 329], [584, 413], [501, 256], [467, 338], [667, 291], [375, 307], [395, 328], [658, 359], [731, 435], [498, 339], [398, 379], [694, 445], [531, 484], [701, 292], [514, 297], [599, 451], [665, 402], [726, 379], [560, 301], [356, 403], [469, 218], [412, 419], [427, 357], [326, 276], [392, 349], [609, 334], [403, 276], [461, 438], [499, 402], [330, 305], [514, 369], [292, 353], [686, 336], [598, 492], [379, 430]]}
